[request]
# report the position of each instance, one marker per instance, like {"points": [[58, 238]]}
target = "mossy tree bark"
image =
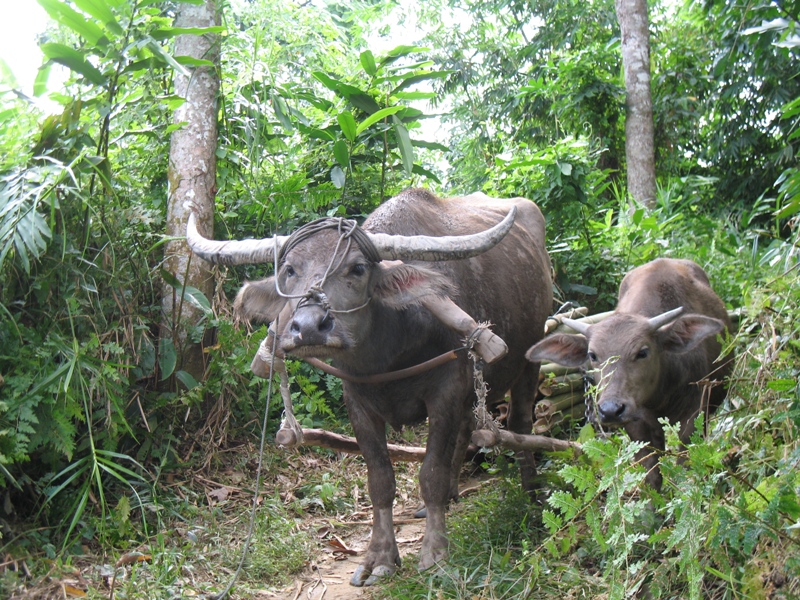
{"points": [[192, 178], [639, 136]]}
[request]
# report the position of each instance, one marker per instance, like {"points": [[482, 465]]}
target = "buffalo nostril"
{"points": [[294, 327], [326, 324], [611, 410]]}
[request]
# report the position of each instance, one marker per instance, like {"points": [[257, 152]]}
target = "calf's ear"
{"points": [[400, 285], [258, 301], [560, 348], [686, 332]]}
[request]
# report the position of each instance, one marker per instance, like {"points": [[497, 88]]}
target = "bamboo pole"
{"points": [[563, 384]]}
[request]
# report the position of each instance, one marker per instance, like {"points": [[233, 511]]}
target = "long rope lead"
{"points": [[224, 594]]}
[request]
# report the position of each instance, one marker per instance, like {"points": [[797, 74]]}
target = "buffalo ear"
{"points": [[686, 332], [400, 285], [258, 301], [560, 348]]}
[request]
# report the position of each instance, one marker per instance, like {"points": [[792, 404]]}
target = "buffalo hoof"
{"points": [[431, 558], [363, 577], [422, 512]]}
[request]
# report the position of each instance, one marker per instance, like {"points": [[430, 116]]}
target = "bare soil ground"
{"points": [[329, 572]]}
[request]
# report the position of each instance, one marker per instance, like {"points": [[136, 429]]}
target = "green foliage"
{"points": [[753, 59]]}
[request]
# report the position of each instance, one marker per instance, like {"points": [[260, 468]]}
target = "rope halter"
{"points": [[349, 231]]}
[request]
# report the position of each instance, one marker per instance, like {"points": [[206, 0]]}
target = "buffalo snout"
{"points": [[311, 326]]}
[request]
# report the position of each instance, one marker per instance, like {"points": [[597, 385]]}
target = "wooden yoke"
{"points": [[488, 346]]}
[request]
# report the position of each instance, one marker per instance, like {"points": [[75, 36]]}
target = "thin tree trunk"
{"points": [[639, 143], [192, 178]]}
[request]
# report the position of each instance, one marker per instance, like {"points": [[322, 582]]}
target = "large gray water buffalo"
{"points": [[655, 356], [363, 297]]}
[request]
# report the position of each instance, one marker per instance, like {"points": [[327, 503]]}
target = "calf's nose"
{"points": [[611, 410]]}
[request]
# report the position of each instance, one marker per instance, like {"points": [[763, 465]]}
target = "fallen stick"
{"points": [[344, 443], [486, 438]]}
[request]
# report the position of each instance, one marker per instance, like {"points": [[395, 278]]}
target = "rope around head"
{"points": [[347, 228], [349, 231]]}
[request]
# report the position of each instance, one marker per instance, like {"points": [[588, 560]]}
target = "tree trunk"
{"points": [[192, 178], [639, 144]]}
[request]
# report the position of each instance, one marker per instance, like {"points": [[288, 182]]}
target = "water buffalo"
{"points": [[649, 357], [362, 298]]}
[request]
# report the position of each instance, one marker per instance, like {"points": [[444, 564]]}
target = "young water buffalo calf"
{"points": [[655, 356]]}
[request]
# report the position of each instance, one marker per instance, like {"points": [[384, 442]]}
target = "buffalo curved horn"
{"points": [[576, 325], [231, 252], [448, 247], [664, 318]]}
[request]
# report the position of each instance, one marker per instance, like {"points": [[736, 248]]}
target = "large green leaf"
{"points": [[326, 135], [100, 10], [420, 77], [167, 58], [66, 15], [358, 98], [186, 379], [167, 357], [365, 102], [191, 61], [171, 32], [40, 83], [348, 124], [341, 153], [281, 111], [404, 144], [420, 170], [399, 52], [338, 177], [73, 60], [429, 145], [368, 62], [377, 116], [191, 294]]}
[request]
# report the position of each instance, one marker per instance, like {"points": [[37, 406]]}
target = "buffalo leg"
{"points": [[462, 443], [382, 556], [435, 478], [520, 420]]}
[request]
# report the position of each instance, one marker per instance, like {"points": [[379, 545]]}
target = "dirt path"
{"points": [[342, 547]]}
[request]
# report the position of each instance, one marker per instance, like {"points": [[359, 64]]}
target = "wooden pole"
{"points": [[344, 443], [486, 438]]}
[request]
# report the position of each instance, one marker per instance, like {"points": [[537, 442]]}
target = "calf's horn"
{"points": [[448, 247], [232, 252], [664, 318], [576, 325]]}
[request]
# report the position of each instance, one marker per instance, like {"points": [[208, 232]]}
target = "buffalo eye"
{"points": [[643, 353], [289, 270], [358, 269], [592, 356]]}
